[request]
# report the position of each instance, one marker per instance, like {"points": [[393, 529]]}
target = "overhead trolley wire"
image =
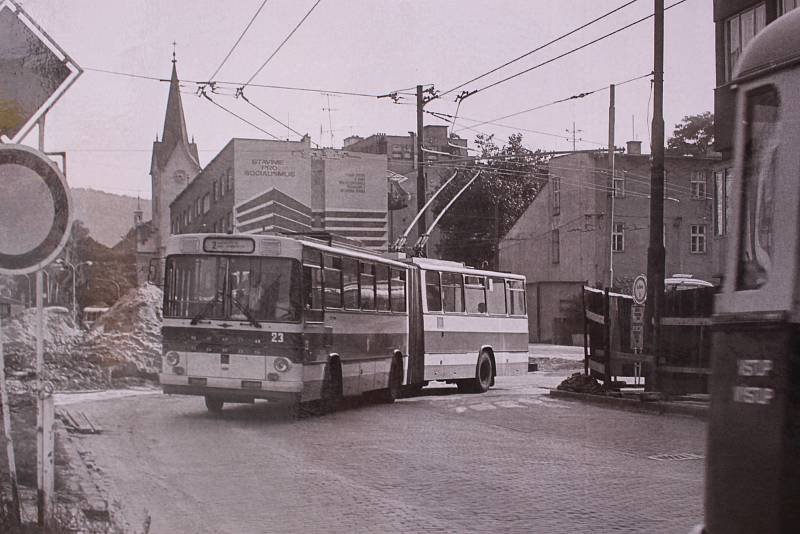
{"points": [[205, 95], [538, 48], [571, 51], [283, 42], [240, 94], [252, 19]]}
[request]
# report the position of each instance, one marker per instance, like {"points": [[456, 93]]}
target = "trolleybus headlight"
{"points": [[282, 365], [172, 358]]}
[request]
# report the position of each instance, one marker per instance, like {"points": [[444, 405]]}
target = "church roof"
{"points": [[175, 133]]}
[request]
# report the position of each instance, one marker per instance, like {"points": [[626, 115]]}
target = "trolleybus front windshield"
{"points": [[242, 288]]}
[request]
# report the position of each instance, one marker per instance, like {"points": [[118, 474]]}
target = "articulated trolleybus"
{"points": [[753, 465], [291, 320]]}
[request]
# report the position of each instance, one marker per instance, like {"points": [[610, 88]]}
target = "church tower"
{"points": [[173, 165]]}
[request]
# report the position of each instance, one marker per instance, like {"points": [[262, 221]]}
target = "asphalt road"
{"points": [[511, 460]]}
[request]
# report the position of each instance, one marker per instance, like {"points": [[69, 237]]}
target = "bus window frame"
{"points": [[779, 292], [460, 277]]}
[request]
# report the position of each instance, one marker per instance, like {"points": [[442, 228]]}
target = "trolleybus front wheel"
{"points": [[214, 404], [394, 390]]}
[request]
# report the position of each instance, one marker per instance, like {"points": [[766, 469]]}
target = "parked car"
{"points": [[681, 282]]}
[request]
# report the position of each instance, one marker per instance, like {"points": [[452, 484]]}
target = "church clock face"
{"points": [[180, 176]]}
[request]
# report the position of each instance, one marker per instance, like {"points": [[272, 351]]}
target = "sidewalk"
{"points": [[563, 358]]}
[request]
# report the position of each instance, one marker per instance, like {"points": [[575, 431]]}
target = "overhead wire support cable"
{"points": [[256, 73], [201, 92], [228, 55], [240, 94], [537, 49], [573, 50]]}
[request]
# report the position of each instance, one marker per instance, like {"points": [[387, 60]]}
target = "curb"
{"points": [[652, 407]]}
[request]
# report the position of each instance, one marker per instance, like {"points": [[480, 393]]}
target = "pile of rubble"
{"points": [[123, 343], [127, 338], [581, 383]]}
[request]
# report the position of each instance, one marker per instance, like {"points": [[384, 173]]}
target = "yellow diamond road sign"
{"points": [[35, 72]]}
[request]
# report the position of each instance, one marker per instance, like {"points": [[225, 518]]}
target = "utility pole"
{"points": [[612, 189], [422, 224], [573, 132], [655, 251]]}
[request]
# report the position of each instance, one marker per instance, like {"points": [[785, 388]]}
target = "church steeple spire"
{"points": [[174, 121]]}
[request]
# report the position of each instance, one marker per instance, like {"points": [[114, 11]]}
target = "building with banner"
{"points": [[262, 186], [442, 152]]}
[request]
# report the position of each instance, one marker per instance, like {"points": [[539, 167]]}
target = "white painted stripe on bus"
{"points": [[474, 323]]}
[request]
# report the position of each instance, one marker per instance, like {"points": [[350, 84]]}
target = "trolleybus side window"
{"points": [[474, 294], [453, 292], [496, 296], [312, 282], [382, 287], [350, 283], [516, 297], [367, 281], [433, 292], [333, 281], [397, 290], [762, 139]]}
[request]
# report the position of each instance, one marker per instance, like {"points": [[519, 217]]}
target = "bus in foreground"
{"points": [[753, 463], [296, 321]]}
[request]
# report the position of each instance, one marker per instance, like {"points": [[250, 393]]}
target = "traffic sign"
{"points": [[639, 289], [637, 328], [35, 210], [36, 72]]}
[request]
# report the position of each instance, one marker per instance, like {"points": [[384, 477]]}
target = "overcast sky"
{"points": [[107, 123]]}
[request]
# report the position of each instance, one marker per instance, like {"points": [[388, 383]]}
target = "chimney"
{"points": [[634, 148]]}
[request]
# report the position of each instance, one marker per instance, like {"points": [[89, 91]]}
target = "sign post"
{"points": [[35, 206], [639, 291]]}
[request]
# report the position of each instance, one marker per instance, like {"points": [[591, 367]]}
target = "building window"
{"points": [[206, 203], [618, 238], [556, 181], [556, 246], [698, 185], [787, 5], [229, 180], [397, 152], [619, 184], [698, 235], [230, 221], [214, 196], [407, 152], [740, 30]]}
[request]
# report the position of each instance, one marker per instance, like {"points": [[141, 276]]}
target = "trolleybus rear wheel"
{"points": [[214, 404]]}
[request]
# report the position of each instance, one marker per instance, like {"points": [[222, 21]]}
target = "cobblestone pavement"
{"points": [[511, 460]]}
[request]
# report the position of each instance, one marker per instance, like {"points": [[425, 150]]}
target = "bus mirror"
{"points": [[154, 273]]}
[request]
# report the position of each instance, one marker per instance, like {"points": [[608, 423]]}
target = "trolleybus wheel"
{"points": [[483, 374], [393, 392], [214, 404]]}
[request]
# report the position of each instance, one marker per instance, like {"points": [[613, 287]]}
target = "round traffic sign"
{"points": [[639, 289], [35, 210]]}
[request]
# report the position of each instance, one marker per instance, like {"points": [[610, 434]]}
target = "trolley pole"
{"points": [[655, 251], [421, 225]]}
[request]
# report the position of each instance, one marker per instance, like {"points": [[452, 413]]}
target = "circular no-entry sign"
{"points": [[35, 210], [640, 289]]}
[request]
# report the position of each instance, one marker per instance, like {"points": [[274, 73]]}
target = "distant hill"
{"points": [[107, 216]]}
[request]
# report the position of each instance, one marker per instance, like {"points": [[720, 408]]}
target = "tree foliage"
{"points": [[511, 177], [694, 136]]}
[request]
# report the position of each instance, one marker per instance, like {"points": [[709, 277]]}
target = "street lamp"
{"points": [[64, 263]]}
